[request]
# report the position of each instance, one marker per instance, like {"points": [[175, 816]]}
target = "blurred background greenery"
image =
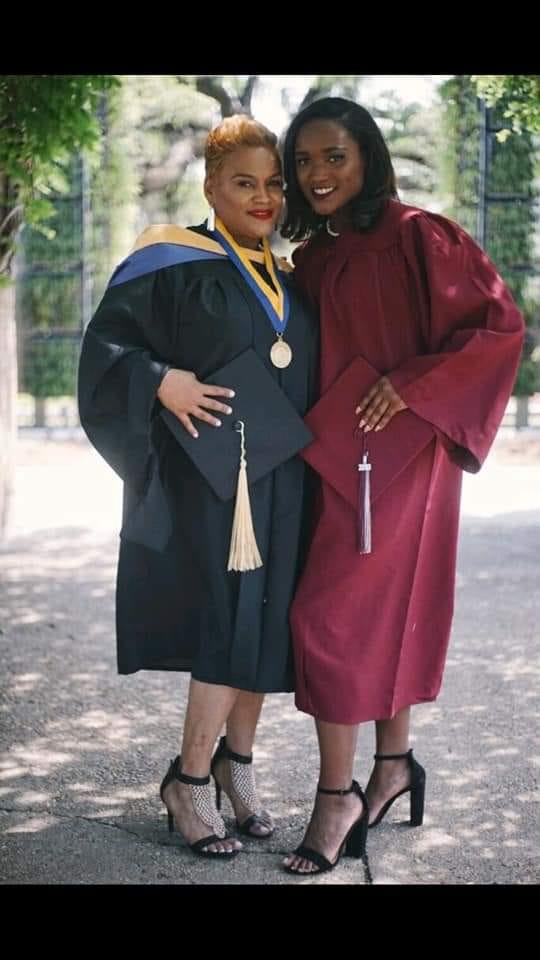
{"points": [[475, 160]]}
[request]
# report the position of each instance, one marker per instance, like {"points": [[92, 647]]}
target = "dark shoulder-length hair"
{"points": [[301, 221]]}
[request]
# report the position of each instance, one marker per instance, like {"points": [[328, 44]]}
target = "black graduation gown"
{"points": [[177, 607]]}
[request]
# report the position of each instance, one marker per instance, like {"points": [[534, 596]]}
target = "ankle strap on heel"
{"points": [[224, 751], [192, 781], [354, 788], [337, 793], [175, 771], [392, 756]]}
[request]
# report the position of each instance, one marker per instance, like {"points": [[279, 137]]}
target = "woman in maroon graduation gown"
{"points": [[412, 293]]}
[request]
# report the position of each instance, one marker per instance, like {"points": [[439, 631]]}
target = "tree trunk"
{"points": [[8, 396], [40, 411], [522, 412]]}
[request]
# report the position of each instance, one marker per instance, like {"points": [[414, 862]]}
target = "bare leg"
{"points": [[241, 727], [389, 776], [208, 707], [332, 816], [337, 745], [242, 721]]}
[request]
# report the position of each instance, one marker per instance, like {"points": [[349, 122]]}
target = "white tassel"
{"points": [[211, 219], [244, 552], [364, 506]]}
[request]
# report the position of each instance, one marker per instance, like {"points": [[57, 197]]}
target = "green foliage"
{"points": [[510, 224], [50, 290], [43, 120], [411, 134], [153, 130], [51, 301], [458, 161], [520, 97], [50, 368], [528, 378], [115, 186]]}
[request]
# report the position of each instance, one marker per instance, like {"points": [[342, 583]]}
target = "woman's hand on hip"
{"points": [[186, 397], [379, 405]]}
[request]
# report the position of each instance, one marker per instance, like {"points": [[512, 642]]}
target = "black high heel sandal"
{"points": [[243, 786], [353, 844], [417, 788], [204, 809]]}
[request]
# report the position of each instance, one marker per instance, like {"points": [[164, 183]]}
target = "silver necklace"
{"points": [[329, 230]]}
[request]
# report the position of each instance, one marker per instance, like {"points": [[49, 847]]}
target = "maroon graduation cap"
{"points": [[359, 466]]}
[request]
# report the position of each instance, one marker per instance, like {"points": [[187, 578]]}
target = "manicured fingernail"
{"points": [[231, 393], [378, 428], [217, 423], [228, 410], [368, 428], [361, 424], [195, 435]]}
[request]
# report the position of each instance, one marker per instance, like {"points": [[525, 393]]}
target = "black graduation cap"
{"points": [[263, 431]]}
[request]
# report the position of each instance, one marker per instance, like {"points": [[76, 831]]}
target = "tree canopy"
{"points": [[43, 120], [522, 100]]}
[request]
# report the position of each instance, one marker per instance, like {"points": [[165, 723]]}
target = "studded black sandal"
{"points": [[243, 784], [204, 808]]}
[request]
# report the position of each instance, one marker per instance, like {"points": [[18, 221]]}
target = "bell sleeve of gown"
{"points": [[474, 334], [121, 366]]}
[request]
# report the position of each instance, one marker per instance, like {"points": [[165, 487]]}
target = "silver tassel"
{"points": [[364, 506]]}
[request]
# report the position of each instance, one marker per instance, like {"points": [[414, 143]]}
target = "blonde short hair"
{"points": [[233, 132]]}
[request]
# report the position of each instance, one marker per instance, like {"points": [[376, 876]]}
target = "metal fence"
{"points": [[54, 295]]}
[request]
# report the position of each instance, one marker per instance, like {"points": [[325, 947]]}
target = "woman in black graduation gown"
{"points": [[184, 304]]}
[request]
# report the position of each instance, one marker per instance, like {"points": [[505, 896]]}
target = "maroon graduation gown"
{"points": [[423, 304]]}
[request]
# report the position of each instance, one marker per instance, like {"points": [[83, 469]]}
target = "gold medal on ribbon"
{"points": [[274, 299], [281, 353]]}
